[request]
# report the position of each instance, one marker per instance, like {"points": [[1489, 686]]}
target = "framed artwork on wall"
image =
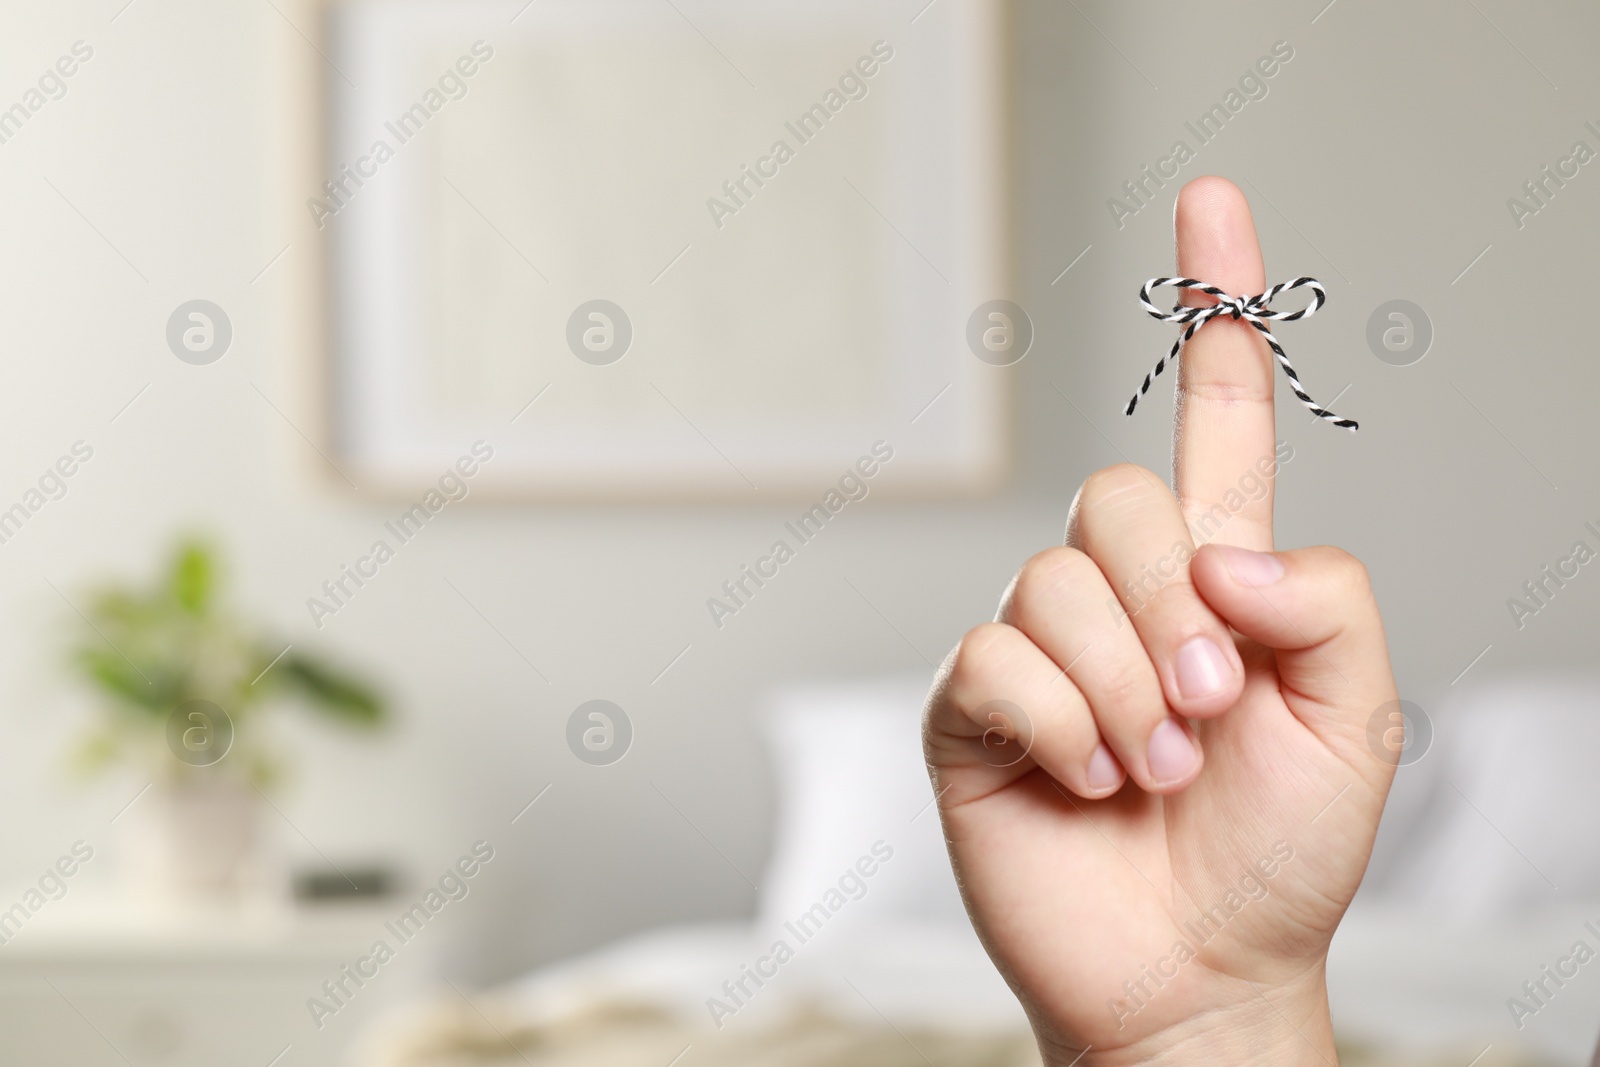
{"points": [[654, 249]]}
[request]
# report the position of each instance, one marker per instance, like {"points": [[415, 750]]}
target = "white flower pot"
{"points": [[199, 841]]}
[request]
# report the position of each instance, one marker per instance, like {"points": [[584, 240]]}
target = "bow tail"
{"points": [[1294, 382], [1161, 364]]}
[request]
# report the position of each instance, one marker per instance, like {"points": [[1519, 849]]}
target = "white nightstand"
{"points": [[88, 981]]}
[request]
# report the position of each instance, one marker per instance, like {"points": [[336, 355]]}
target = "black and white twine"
{"points": [[1252, 309]]}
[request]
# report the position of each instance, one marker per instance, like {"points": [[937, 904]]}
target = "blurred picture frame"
{"points": [[649, 251]]}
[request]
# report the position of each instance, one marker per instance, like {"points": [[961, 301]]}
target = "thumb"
{"points": [[1315, 608]]}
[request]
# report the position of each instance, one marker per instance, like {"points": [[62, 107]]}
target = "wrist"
{"points": [[1285, 1025]]}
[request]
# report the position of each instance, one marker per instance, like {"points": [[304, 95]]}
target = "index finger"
{"points": [[1223, 443]]}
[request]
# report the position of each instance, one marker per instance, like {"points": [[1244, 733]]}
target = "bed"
{"points": [[887, 971]]}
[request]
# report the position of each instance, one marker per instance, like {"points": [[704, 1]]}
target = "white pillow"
{"points": [[851, 777], [1511, 804]]}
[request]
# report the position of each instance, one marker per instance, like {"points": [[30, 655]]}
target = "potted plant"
{"points": [[185, 687]]}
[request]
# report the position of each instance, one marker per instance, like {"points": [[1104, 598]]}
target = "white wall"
{"points": [[1387, 147]]}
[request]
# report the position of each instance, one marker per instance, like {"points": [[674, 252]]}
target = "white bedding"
{"points": [[914, 975], [1421, 971], [1407, 988], [895, 997]]}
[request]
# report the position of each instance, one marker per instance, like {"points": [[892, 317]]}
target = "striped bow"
{"points": [[1252, 309]]}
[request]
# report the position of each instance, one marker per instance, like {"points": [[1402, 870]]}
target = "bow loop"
{"points": [[1256, 310]]}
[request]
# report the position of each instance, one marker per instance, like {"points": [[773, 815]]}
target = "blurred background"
{"points": [[222, 394]]}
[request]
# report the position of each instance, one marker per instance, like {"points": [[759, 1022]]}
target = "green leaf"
{"points": [[193, 578], [117, 676], [332, 691]]}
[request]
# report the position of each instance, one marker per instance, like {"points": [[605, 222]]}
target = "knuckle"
{"points": [[1173, 596], [1349, 573], [1117, 480], [1120, 689], [980, 656], [1048, 576], [1219, 385], [1110, 500]]}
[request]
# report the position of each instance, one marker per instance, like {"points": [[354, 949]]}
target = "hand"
{"points": [[1183, 916]]}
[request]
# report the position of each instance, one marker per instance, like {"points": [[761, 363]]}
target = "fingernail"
{"points": [[1251, 568], [1171, 754], [1103, 770], [1202, 669]]}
